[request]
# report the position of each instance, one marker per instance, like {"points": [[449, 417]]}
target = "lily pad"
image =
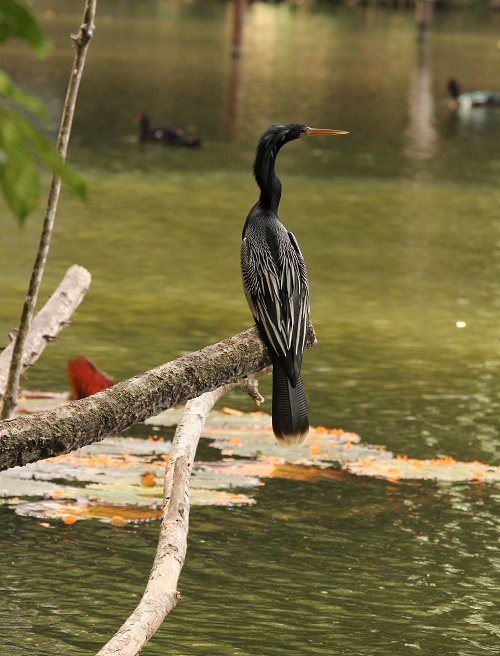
{"points": [[121, 477]]}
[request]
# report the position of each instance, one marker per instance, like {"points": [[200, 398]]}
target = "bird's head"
{"points": [[453, 88], [268, 148], [277, 136]]}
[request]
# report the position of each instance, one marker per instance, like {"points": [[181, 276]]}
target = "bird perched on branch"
{"points": [[275, 284]]}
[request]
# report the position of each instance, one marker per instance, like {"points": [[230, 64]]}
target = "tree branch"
{"points": [[161, 596], [49, 321], [29, 438]]}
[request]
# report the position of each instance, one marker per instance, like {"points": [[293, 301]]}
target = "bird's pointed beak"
{"points": [[317, 132]]}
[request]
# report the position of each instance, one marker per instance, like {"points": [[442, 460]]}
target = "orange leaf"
{"points": [[231, 411], [118, 521], [148, 480], [85, 379]]}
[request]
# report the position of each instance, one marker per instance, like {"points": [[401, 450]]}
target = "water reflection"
{"points": [[421, 134], [235, 96], [311, 569]]}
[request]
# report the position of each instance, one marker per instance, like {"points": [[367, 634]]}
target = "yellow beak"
{"points": [[317, 132]]}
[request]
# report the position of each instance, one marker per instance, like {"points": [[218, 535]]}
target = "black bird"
{"points": [[275, 284], [172, 136]]}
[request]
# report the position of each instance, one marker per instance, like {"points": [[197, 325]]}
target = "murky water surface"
{"points": [[399, 223]]}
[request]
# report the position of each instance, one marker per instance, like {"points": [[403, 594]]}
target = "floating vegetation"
{"points": [[119, 480]]}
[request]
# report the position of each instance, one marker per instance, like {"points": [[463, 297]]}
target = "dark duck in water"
{"points": [[275, 284], [171, 136], [472, 99]]}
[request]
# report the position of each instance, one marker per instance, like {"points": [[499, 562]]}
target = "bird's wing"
{"points": [[275, 284], [261, 285], [299, 302]]}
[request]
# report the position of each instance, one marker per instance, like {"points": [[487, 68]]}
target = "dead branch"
{"points": [[161, 595], [50, 320], [29, 438]]}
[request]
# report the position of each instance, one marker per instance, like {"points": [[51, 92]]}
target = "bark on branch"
{"points": [[49, 321], [29, 438]]}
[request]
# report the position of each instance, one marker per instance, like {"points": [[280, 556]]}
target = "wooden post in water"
{"points": [[239, 19]]}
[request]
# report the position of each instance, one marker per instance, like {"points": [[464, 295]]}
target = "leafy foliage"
{"points": [[16, 21], [22, 146]]}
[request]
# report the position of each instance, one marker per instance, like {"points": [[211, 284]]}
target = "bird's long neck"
{"points": [[268, 181]]}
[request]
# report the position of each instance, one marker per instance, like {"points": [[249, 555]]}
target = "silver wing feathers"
{"points": [[275, 284]]}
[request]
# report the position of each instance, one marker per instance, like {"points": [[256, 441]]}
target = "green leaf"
{"points": [[16, 20], [51, 159], [11, 92], [19, 176]]}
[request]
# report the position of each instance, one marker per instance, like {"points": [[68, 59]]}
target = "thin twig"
{"points": [[81, 40]]}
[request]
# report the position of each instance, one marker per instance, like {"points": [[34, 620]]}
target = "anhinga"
{"points": [[275, 284]]}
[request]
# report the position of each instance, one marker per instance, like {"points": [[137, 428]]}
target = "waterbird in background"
{"points": [[471, 99], [172, 136], [275, 284]]}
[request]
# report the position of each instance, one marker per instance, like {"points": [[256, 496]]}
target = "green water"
{"points": [[399, 225]]}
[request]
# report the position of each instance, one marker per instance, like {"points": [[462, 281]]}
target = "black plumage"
{"points": [[275, 284]]}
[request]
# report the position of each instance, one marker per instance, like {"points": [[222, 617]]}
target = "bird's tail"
{"points": [[290, 420]]}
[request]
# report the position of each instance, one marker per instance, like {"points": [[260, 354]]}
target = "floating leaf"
{"points": [[148, 480], [443, 469], [85, 378], [124, 474], [70, 513]]}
